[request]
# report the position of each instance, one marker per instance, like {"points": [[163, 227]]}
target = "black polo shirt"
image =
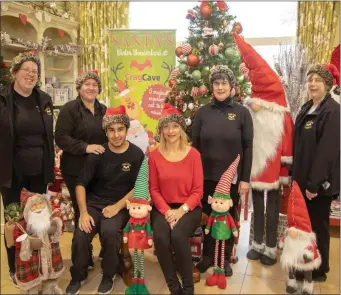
{"points": [[220, 132]]}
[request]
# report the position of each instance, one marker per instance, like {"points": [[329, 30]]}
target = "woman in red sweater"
{"points": [[176, 189]]}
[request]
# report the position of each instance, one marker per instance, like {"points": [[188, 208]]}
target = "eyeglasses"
{"points": [[222, 83], [28, 71]]}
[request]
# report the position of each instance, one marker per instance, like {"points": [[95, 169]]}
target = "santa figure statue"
{"points": [[38, 260], [300, 253], [138, 135], [272, 149]]}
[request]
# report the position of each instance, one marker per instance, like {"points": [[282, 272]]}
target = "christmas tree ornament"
{"points": [[186, 49], [221, 45], [182, 58], [192, 60], [178, 51], [195, 91], [207, 30], [243, 69], [188, 121], [222, 5], [183, 68], [184, 107], [221, 224], [203, 90], [225, 23], [175, 73], [240, 79], [138, 231], [201, 45], [231, 53], [205, 10], [171, 83], [191, 15], [196, 75], [191, 106], [237, 27], [213, 50]]}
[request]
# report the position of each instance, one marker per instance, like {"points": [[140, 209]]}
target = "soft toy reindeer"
{"points": [[138, 232], [221, 223]]}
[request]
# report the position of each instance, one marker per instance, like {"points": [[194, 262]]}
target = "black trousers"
{"points": [[209, 242], [319, 210], [110, 230], [272, 216], [70, 182], [167, 241], [33, 184]]}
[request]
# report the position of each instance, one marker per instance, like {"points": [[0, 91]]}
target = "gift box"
{"points": [[282, 226]]}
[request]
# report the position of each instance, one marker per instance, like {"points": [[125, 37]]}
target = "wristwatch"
{"points": [[185, 208]]}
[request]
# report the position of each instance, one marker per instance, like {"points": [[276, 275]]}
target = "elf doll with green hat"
{"points": [[138, 232], [221, 223]]}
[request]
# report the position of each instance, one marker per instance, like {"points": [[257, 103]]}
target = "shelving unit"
{"points": [[62, 66]]}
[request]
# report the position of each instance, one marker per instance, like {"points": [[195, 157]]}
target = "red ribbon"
{"points": [[221, 4]]}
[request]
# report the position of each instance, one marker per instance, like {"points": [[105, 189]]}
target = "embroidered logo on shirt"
{"points": [[308, 124], [126, 167], [231, 116], [48, 111]]}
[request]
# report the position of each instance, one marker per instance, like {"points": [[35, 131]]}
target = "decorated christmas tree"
{"points": [[210, 43], [4, 74]]}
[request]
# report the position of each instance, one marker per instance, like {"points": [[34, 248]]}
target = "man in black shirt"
{"points": [[103, 187]]}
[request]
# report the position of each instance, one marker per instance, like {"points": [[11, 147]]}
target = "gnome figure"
{"points": [[272, 149], [38, 260], [221, 223], [138, 232], [300, 253]]}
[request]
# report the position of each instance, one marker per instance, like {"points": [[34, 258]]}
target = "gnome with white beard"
{"points": [[38, 261], [272, 149], [300, 253]]}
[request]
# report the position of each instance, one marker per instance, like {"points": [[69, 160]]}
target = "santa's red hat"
{"points": [[122, 87], [116, 115], [332, 69], [297, 214], [267, 89], [171, 114], [335, 58]]}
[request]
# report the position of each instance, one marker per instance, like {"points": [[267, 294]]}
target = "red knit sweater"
{"points": [[175, 182]]}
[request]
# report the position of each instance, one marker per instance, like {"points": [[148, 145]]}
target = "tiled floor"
{"points": [[249, 277]]}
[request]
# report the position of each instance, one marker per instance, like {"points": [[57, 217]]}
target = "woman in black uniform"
{"points": [[26, 128]]}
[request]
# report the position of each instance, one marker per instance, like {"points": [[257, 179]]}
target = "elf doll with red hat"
{"points": [[221, 223], [138, 232], [300, 251], [272, 149]]}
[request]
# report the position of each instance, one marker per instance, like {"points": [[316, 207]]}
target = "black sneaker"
{"points": [[204, 264], [319, 276], [106, 285], [91, 264], [74, 287], [228, 268], [13, 279]]}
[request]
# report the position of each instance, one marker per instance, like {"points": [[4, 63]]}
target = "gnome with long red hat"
{"points": [[272, 149], [221, 224], [300, 251]]}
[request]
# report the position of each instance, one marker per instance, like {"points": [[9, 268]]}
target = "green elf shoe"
{"points": [[141, 288], [133, 289]]}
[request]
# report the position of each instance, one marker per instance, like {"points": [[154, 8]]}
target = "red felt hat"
{"points": [[116, 115], [120, 110], [266, 88], [139, 201], [168, 109], [334, 72], [297, 214]]}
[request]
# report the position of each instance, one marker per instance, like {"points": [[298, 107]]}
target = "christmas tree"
{"points": [[210, 43], [4, 74]]}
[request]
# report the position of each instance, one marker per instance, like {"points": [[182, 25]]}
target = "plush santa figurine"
{"points": [[221, 223], [38, 261], [300, 251], [272, 149], [138, 135], [138, 232]]}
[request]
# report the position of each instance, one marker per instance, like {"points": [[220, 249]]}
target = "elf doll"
{"points": [[221, 223], [138, 232]]}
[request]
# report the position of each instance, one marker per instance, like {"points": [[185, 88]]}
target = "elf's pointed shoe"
{"points": [[141, 288], [133, 288], [212, 280], [222, 282]]}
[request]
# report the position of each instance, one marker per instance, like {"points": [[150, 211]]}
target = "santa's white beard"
{"points": [[39, 223], [268, 129], [294, 250], [140, 139]]}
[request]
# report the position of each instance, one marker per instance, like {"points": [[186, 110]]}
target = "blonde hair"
{"points": [[183, 140]]}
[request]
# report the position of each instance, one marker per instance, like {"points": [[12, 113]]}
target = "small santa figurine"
{"points": [[300, 251], [138, 135], [38, 260], [272, 149], [138, 232], [221, 223]]}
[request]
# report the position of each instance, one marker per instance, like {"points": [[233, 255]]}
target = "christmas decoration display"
{"points": [[221, 223], [4, 74], [37, 243], [138, 231], [300, 251], [272, 148], [62, 9], [44, 45], [209, 43], [13, 214]]}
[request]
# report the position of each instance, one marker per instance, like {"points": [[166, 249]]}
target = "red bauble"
{"points": [[178, 51], [237, 27], [171, 83], [202, 90], [206, 11], [192, 60]]}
